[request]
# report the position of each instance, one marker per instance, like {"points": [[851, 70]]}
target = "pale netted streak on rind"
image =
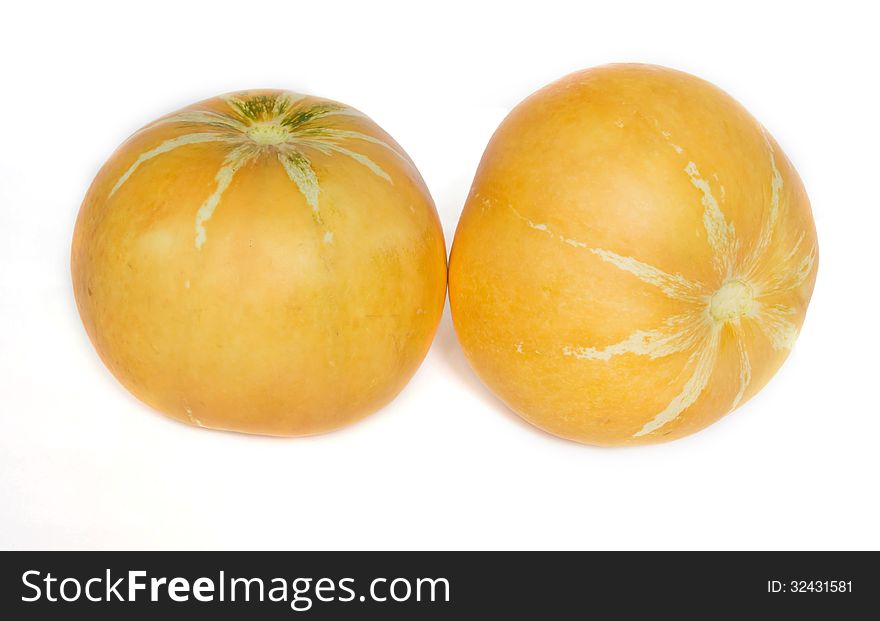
{"points": [[788, 274], [768, 227], [719, 233], [745, 369], [345, 111], [364, 161], [667, 137], [704, 363], [165, 147], [773, 322], [303, 115], [203, 117], [329, 148], [674, 286], [678, 333], [233, 162], [299, 169], [334, 134]]}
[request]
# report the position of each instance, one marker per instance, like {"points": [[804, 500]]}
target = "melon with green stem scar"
{"points": [[264, 262], [635, 257]]}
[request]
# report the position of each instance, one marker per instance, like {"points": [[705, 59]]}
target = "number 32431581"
{"points": [[809, 586]]}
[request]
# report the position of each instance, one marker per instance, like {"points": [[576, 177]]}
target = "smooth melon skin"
{"points": [[635, 257], [262, 262]]}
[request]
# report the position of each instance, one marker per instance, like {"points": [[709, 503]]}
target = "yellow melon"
{"points": [[263, 262], [635, 257]]}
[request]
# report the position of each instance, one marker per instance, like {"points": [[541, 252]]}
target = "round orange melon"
{"points": [[263, 262], [635, 257]]}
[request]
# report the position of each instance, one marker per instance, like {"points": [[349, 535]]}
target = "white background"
{"points": [[445, 466]]}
